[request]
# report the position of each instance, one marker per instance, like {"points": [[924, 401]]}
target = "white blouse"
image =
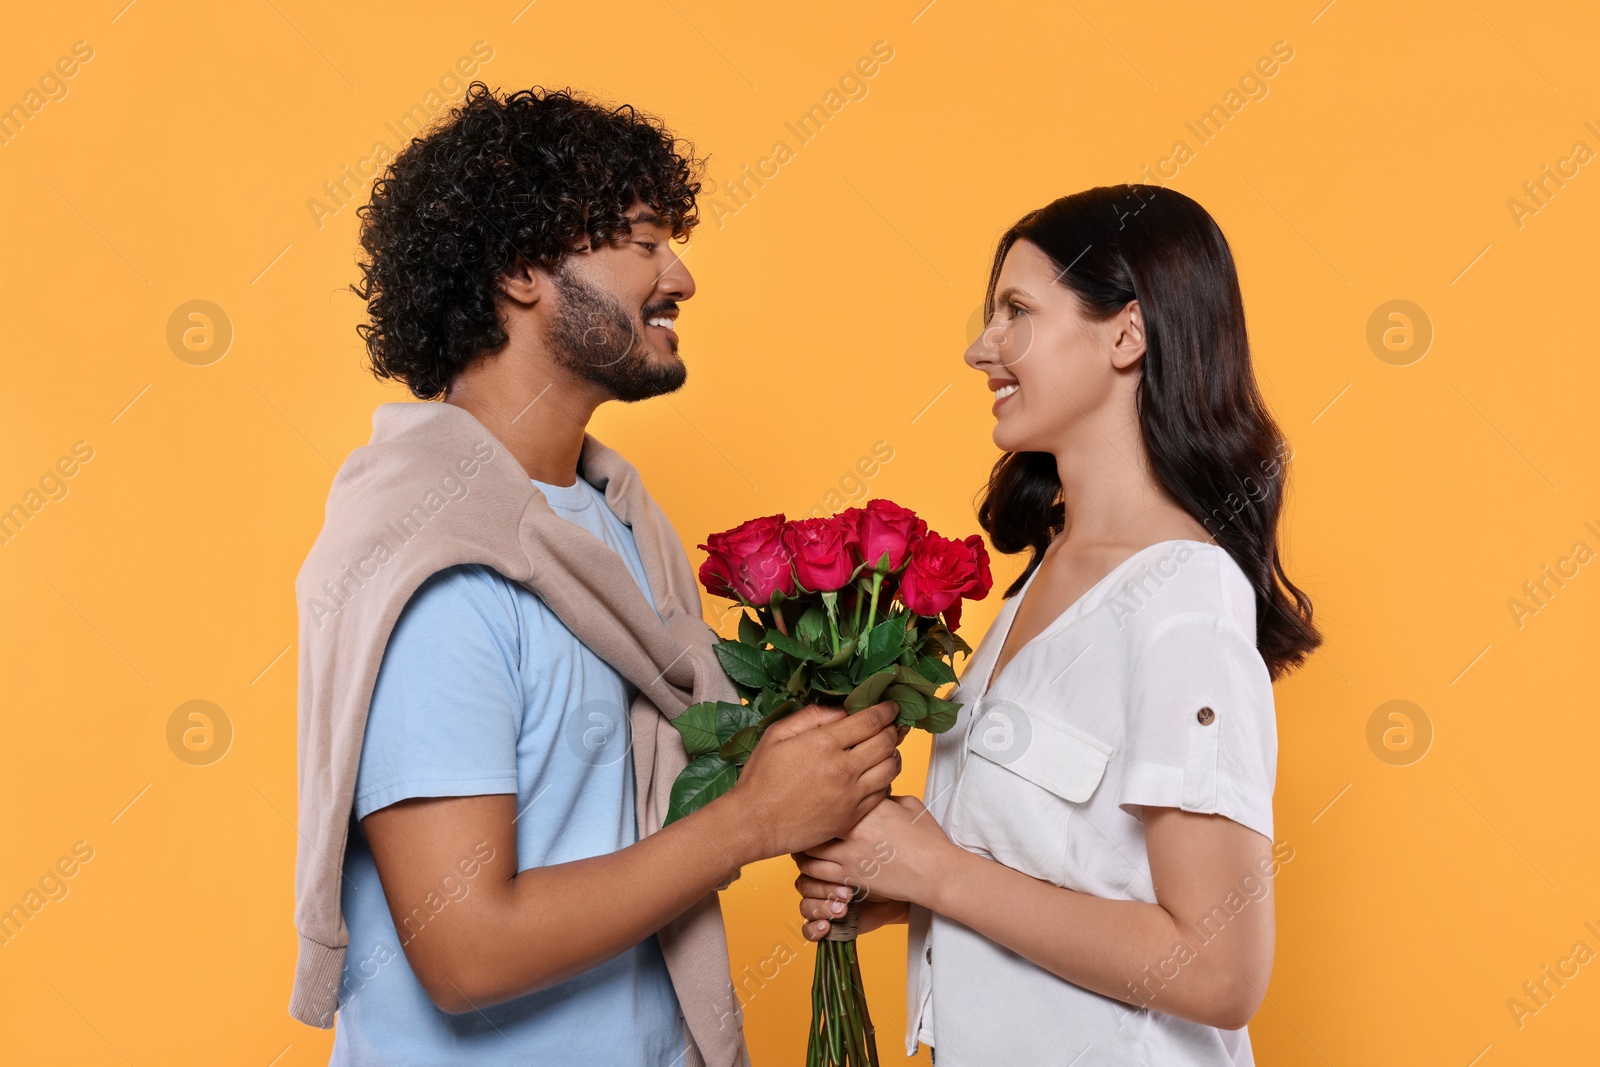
{"points": [[1148, 690]]}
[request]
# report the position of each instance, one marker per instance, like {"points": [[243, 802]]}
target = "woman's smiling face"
{"points": [[1053, 369]]}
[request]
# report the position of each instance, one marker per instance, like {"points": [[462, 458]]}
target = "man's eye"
{"points": [[648, 246]]}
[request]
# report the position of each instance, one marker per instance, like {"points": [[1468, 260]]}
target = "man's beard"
{"points": [[595, 337]]}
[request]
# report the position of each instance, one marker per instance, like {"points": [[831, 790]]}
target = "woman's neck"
{"points": [[1112, 496]]}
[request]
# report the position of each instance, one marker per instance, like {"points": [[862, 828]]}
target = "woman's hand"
{"points": [[896, 853], [821, 902]]}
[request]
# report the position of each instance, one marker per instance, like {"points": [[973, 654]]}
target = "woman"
{"points": [[1091, 876]]}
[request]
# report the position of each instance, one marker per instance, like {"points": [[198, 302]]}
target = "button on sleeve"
{"points": [[1202, 733]]}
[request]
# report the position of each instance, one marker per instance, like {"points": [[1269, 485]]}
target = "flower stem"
{"points": [[831, 602], [872, 612], [863, 1014]]}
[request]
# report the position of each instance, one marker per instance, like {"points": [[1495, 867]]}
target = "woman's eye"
{"points": [[1017, 309]]}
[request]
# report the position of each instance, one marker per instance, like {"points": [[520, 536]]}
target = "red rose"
{"points": [[850, 520], [941, 572], [982, 580], [748, 562], [716, 574], [886, 527], [823, 553]]}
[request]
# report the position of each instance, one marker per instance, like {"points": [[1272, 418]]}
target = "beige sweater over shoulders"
{"points": [[434, 489]]}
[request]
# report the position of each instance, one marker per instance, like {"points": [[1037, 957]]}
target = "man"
{"points": [[483, 877]]}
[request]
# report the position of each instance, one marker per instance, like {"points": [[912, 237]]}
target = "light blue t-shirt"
{"points": [[483, 690]]}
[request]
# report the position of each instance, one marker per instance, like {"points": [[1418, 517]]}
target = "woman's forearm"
{"points": [[1129, 950]]}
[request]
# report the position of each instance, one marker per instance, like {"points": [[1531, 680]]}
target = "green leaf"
{"points": [[812, 624], [840, 658], [940, 640], [702, 781], [941, 715], [935, 669], [758, 703], [832, 682], [781, 709], [736, 750], [800, 680], [793, 647], [733, 717], [869, 691], [916, 681], [744, 664], [913, 702], [698, 727], [751, 632], [777, 666], [882, 647]]}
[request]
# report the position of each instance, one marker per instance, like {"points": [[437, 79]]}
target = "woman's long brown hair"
{"points": [[1211, 442]]}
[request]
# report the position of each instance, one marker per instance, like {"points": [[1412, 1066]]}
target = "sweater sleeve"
{"points": [[447, 706]]}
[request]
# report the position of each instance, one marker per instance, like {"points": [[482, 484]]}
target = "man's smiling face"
{"points": [[614, 318]]}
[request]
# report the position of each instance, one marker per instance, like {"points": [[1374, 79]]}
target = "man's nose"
{"points": [[676, 281]]}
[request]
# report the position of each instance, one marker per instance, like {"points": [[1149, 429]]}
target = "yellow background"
{"points": [[833, 309]]}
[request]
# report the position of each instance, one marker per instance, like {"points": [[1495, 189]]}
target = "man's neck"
{"points": [[539, 414]]}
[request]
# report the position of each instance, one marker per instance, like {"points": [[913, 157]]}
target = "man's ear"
{"points": [[1128, 337], [524, 283]]}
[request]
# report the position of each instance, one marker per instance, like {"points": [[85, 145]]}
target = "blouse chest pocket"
{"points": [[1023, 780]]}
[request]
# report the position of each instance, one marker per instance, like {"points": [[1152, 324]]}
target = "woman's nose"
{"points": [[985, 348]]}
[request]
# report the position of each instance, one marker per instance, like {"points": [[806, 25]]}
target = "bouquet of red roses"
{"points": [[845, 611]]}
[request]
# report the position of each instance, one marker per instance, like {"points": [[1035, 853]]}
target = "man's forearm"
{"points": [[547, 924]]}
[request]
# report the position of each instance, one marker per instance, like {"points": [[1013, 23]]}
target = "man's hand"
{"points": [[814, 774]]}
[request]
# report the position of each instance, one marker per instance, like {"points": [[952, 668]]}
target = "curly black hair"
{"points": [[531, 174]]}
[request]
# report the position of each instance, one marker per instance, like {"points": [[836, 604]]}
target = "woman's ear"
{"points": [[524, 283], [1127, 337]]}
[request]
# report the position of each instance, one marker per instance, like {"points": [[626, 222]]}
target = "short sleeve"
{"points": [[447, 707], [1202, 732]]}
